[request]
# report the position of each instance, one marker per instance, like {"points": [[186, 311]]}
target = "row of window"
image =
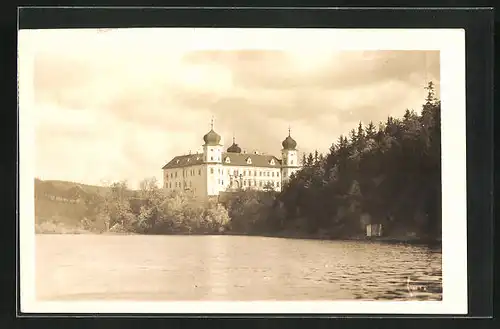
{"points": [[247, 172], [255, 173], [255, 183], [191, 172], [221, 182], [179, 185]]}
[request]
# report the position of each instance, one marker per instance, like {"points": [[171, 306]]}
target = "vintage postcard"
{"points": [[192, 170]]}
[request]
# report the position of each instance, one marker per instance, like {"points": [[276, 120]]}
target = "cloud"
{"points": [[335, 70], [119, 106]]}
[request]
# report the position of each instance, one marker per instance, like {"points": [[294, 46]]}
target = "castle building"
{"points": [[214, 170]]}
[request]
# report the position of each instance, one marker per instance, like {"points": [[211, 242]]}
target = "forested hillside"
{"points": [[392, 173]]}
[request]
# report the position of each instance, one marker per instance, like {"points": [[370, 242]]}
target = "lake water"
{"points": [[169, 268]]}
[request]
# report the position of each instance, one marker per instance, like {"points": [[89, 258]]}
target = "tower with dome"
{"points": [[214, 170]]}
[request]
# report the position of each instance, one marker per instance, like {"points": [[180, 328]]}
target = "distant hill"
{"points": [[66, 189], [69, 203], [65, 202]]}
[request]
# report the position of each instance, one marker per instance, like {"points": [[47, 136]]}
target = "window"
{"points": [[176, 174], [260, 183], [211, 150], [260, 173], [291, 162], [272, 174], [218, 170], [228, 160], [235, 173], [199, 172], [221, 182], [278, 174], [278, 184], [211, 158], [244, 172], [272, 162], [268, 174], [249, 161], [211, 170], [255, 173], [244, 183]]}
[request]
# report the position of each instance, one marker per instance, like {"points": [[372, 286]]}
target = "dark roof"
{"points": [[185, 161], [236, 159], [257, 160]]}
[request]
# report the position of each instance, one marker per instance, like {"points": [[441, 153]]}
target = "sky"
{"points": [[119, 104]]}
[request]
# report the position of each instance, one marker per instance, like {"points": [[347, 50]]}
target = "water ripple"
{"points": [[232, 268]]}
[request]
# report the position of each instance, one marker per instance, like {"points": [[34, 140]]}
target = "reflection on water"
{"points": [[232, 268]]}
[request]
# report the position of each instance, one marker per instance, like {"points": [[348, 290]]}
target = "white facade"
{"points": [[214, 171]]}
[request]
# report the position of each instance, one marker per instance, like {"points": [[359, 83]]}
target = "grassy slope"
{"points": [[61, 210]]}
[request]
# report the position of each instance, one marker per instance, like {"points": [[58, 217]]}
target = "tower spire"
{"points": [[212, 123], [289, 130], [234, 139]]}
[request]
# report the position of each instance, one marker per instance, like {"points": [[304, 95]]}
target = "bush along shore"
{"points": [[388, 174]]}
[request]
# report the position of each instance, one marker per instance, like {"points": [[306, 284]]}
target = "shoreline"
{"points": [[281, 235], [384, 239]]}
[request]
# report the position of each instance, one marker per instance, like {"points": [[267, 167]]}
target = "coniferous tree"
{"points": [[370, 131], [310, 160]]}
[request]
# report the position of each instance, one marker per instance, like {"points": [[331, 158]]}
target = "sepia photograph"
{"points": [[230, 170]]}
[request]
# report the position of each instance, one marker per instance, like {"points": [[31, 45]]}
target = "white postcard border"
{"points": [[450, 43]]}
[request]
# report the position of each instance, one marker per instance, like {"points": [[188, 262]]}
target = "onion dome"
{"points": [[212, 138], [234, 148], [289, 143]]}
